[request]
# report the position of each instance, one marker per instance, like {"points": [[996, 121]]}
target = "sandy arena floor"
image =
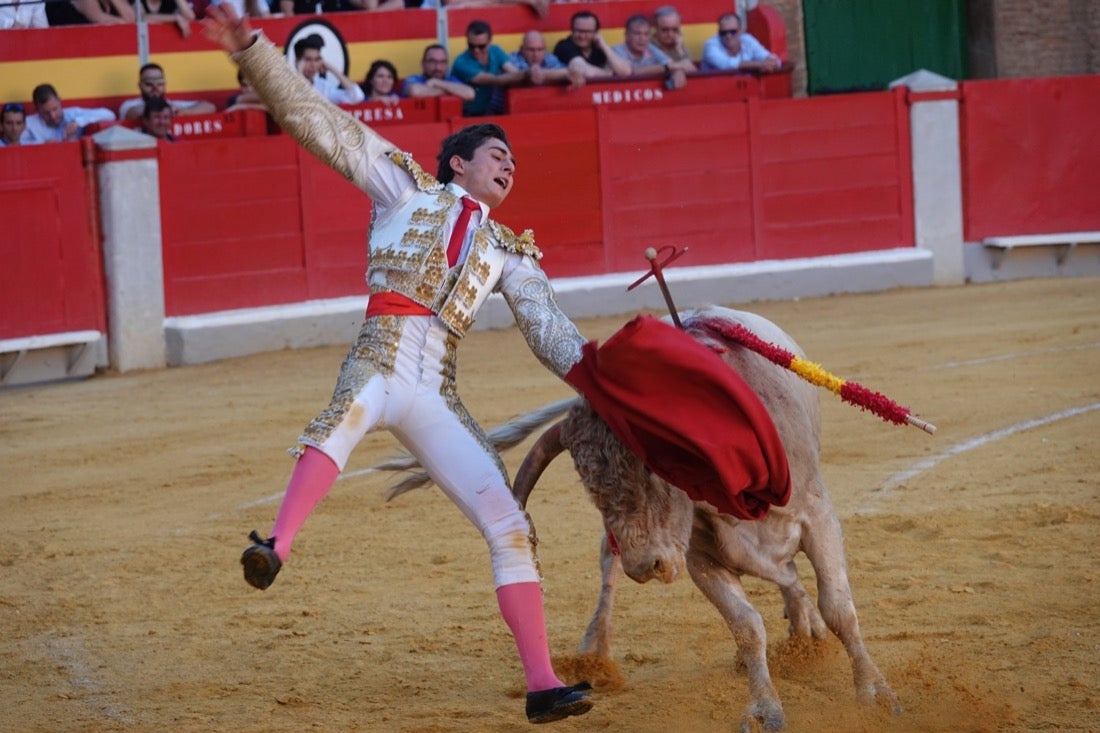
{"points": [[127, 501]]}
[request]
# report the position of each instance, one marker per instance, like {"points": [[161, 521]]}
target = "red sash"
{"points": [[389, 303]]}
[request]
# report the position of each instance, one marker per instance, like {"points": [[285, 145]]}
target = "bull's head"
{"points": [[649, 519]]}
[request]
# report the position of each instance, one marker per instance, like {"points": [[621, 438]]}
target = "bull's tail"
{"points": [[502, 437]]}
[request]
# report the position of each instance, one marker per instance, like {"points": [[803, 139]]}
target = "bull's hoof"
{"points": [[879, 694], [766, 715]]}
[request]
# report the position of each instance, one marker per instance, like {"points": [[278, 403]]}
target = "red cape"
{"points": [[687, 415]]}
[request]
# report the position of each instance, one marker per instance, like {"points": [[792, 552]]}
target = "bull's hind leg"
{"points": [[597, 639], [798, 608], [723, 589], [823, 543]]}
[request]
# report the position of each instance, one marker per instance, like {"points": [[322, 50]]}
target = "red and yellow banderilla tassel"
{"points": [[851, 392]]}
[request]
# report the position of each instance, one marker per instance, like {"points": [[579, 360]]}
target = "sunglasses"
{"points": [[731, 32], [14, 107], [478, 46]]}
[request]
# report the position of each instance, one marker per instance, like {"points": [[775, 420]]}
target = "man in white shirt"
{"points": [[329, 81], [153, 85], [26, 14], [54, 123], [732, 49]]}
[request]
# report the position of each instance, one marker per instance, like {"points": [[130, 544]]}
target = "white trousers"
{"points": [[417, 403]]}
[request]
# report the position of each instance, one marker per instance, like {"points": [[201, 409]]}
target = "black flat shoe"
{"points": [[261, 564], [546, 706]]}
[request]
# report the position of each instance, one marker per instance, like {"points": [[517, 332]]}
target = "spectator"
{"points": [[153, 85], [586, 53], [169, 11], [309, 7], [156, 119], [246, 98], [16, 15], [644, 57], [485, 67], [732, 48], [541, 8], [13, 125], [380, 83], [669, 36], [53, 123], [326, 79], [248, 8], [435, 81], [97, 12], [532, 57]]}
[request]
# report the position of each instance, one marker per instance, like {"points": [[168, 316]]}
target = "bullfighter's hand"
{"points": [[224, 27]]}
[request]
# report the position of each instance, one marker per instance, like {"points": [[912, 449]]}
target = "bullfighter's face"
{"points": [[488, 176]]}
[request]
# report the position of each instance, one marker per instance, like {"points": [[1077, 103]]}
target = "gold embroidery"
{"points": [[506, 239], [449, 393], [374, 352], [424, 180]]}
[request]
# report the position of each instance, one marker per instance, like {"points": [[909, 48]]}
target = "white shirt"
{"points": [[23, 15], [716, 57], [39, 132], [139, 104], [329, 88]]}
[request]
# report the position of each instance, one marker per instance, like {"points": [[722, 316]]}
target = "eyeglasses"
{"points": [[478, 46], [730, 32], [14, 107], [668, 29]]}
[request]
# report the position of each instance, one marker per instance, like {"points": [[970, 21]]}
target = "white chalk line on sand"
{"points": [[73, 658], [1007, 357], [921, 466]]}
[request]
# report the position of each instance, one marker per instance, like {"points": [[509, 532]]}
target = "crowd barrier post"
{"points": [[128, 178], [937, 172]]}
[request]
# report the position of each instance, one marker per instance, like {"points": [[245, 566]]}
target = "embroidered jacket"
{"points": [[412, 211]]}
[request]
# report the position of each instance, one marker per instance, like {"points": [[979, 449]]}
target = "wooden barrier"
{"points": [[1030, 153], [51, 276]]}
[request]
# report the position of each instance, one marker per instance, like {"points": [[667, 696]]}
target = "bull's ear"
{"points": [[545, 450]]}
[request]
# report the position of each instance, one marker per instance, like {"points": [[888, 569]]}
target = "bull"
{"points": [[655, 531]]}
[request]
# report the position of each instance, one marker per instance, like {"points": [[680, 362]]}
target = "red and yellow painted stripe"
{"points": [[89, 63]]}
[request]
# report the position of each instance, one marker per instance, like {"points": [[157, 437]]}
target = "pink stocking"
{"points": [[521, 607], [313, 476]]}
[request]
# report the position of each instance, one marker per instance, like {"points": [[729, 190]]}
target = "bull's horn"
{"points": [[545, 450]]}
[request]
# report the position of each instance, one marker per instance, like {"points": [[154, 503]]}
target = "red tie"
{"points": [[458, 234]]}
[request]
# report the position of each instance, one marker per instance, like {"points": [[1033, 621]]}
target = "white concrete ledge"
{"points": [[213, 336], [51, 357], [1039, 240]]}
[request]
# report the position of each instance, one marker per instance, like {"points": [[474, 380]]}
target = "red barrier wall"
{"points": [[746, 180], [831, 175], [253, 220], [51, 277], [1030, 152]]}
